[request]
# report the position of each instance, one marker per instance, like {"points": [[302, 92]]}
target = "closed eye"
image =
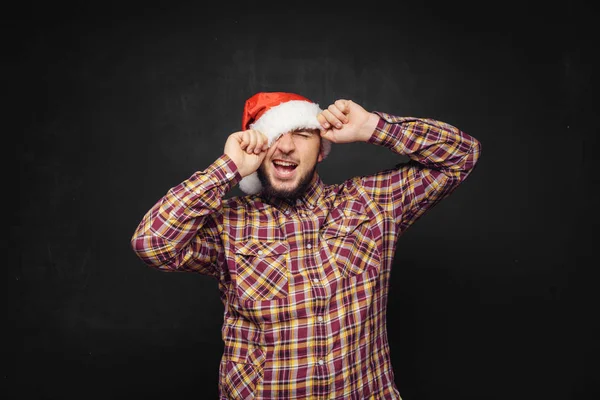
{"points": [[303, 134]]}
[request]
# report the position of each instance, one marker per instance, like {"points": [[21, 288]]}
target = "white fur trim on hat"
{"points": [[281, 119], [287, 116]]}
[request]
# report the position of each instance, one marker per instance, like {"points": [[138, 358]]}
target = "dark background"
{"points": [[493, 293]]}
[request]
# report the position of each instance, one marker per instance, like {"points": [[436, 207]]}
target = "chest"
{"points": [[281, 259]]}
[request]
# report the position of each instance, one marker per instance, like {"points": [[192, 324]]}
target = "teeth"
{"points": [[284, 164]]}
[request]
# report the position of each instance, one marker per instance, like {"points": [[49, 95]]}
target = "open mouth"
{"points": [[284, 168]]}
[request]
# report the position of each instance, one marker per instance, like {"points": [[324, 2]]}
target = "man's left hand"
{"points": [[346, 122]]}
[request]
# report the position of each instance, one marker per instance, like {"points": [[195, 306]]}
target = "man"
{"points": [[302, 267]]}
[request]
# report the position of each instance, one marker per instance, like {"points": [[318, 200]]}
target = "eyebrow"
{"points": [[310, 131]]}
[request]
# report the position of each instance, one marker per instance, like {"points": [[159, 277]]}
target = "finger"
{"points": [[343, 106], [252, 144], [263, 143], [332, 119], [327, 134], [244, 140], [259, 142], [261, 156], [323, 121], [339, 114]]}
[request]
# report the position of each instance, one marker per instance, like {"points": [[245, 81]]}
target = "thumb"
{"points": [[327, 134]]}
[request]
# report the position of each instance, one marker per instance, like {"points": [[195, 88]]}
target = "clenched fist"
{"points": [[344, 121], [247, 149]]}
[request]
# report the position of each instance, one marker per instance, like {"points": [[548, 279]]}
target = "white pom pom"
{"points": [[251, 184]]}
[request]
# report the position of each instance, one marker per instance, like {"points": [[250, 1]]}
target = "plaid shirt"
{"points": [[305, 283]]}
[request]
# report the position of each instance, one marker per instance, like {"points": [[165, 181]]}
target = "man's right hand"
{"points": [[247, 149]]}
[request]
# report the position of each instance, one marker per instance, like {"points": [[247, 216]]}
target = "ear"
{"points": [[321, 157]]}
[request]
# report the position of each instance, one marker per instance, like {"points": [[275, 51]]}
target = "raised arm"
{"points": [[441, 157], [182, 231]]}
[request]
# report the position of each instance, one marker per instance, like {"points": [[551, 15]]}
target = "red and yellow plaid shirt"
{"points": [[305, 283]]}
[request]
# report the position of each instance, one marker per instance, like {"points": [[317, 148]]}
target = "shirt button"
{"points": [[304, 214], [298, 202], [309, 245], [347, 228], [321, 362], [320, 318], [229, 175], [287, 212], [315, 280]]}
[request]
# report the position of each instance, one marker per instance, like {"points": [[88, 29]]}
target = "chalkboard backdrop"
{"points": [[493, 293]]}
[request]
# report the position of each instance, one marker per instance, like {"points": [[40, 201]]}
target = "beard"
{"points": [[293, 193]]}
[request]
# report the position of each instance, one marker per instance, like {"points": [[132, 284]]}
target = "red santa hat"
{"points": [[276, 113]]}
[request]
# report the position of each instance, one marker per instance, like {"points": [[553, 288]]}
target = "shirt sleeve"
{"points": [[181, 232], [440, 158]]}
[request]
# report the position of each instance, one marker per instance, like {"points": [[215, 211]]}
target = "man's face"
{"points": [[290, 164]]}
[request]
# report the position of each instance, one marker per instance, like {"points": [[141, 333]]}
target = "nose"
{"points": [[285, 143]]}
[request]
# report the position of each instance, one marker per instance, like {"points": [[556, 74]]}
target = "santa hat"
{"points": [[276, 113]]}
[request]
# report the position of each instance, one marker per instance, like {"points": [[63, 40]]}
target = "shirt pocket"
{"points": [[238, 380], [350, 241], [262, 272]]}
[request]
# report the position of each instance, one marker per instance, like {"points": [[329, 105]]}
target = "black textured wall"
{"points": [[492, 295]]}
